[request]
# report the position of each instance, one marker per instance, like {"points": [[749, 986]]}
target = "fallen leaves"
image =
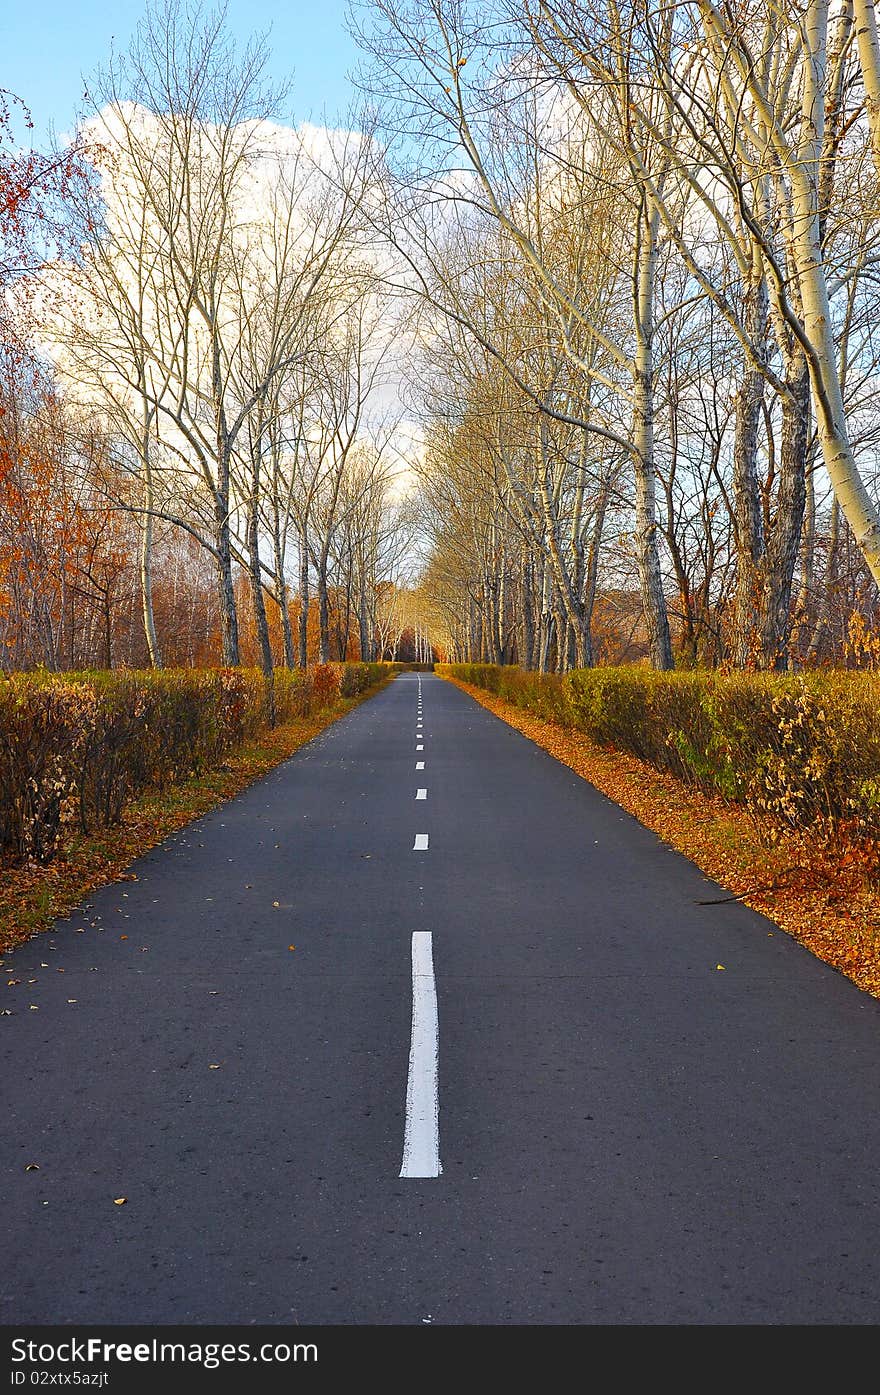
{"points": [[120, 1200]]}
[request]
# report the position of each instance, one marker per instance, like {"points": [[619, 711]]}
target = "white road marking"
{"points": [[420, 765], [421, 794], [420, 748], [421, 1136], [421, 843]]}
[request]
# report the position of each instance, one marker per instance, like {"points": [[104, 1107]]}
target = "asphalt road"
{"points": [[628, 1134]]}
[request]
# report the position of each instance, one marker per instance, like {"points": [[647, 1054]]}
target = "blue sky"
{"points": [[43, 62]]}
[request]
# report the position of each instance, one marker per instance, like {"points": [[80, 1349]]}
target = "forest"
{"points": [[560, 349]]}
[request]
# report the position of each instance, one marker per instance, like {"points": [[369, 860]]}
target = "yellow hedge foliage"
{"points": [[79, 745], [800, 751]]}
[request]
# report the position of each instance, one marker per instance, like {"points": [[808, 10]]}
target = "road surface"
{"points": [[358, 1055]]}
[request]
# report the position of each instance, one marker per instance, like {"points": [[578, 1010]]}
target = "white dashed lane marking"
{"points": [[421, 794], [421, 1137], [421, 843]]}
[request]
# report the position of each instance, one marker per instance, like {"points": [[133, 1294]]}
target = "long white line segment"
{"points": [[421, 1137]]}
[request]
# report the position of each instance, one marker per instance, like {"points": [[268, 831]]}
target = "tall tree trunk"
{"points": [[849, 488], [560, 624], [591, 572], [804, 606], [566, 582], [648, 553], [545, 635], [303, 597], [281, 589], [225, 586], [868, 40], [829, 582], [804, 167], [784, 537], [145, 560], [258, 601], [364, 636], [527, 616], [748, 519], [286, 627], [323, 612]]}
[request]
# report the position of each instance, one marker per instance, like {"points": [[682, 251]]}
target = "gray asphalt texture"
{"points": [[629, 1135]]}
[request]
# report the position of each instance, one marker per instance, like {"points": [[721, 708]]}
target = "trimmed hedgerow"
{"points": [[79, 746], [801, 752]]}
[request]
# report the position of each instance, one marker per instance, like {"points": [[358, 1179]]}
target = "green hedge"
{"points": [[80, 745], [799, 751]]}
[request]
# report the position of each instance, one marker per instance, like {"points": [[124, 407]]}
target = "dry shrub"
{"points": [[800, 752], [78, 747], [325, 683], [44, 732], [356, 678]]}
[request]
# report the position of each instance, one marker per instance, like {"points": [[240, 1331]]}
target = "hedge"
{"points": [[801, 752], [78, 746]]}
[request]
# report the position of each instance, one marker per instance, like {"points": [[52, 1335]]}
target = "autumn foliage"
{"points": [[74, 748], [800, 753]]}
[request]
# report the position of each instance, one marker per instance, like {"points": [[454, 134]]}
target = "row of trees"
{"points": [[217, 401], [71, 553], [645, 242], [617, 262]]}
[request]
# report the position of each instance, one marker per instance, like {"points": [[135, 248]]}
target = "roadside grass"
{"points": [[33, 896], [818, 899]]}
